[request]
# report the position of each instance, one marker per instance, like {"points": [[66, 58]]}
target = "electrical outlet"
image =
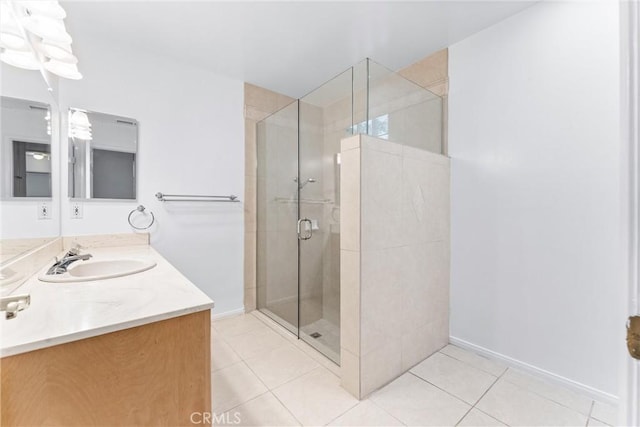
{"points": [[44, 210], [76, 210]]}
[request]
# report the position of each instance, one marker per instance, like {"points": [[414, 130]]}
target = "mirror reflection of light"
{"points": [[79, 125], [38, 155]]}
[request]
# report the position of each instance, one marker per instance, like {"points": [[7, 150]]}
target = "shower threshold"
{"points": [[329, 335]]}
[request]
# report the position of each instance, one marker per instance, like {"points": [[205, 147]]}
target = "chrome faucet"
{"points": [[60, 266]]}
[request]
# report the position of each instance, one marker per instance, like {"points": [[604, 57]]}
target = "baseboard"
{"points": [[541, 373], [235, 312]]}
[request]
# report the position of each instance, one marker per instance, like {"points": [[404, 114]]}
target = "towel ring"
{"points": [[141, 209]]}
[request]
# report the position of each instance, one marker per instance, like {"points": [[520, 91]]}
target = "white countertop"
{"points": [[65, 312]]}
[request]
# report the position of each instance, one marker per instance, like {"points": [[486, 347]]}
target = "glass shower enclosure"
{"points": [[298, 189]]}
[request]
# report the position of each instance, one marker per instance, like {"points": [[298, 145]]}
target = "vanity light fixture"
{"points": [[33, 36], [79, 125]]}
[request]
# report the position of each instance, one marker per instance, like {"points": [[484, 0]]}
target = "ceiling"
{"points": [[289, 47]]}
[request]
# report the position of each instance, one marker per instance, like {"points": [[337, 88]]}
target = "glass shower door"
{"points": [[325, 117]]}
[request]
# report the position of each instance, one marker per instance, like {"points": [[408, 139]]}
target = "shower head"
{"points": [[301, 186]]}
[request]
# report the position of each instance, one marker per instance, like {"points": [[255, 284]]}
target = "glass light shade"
{"points": [[13, 41], [58, 51], [47, 28], [20, 59], [79, 125], [51, 9], [63, 69], [79, 119]]}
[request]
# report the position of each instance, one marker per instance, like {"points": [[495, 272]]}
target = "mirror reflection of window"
{"points": [[25, 154], [102, 156], [31, 169]]}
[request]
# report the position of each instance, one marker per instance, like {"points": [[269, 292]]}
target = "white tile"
{"points": [[381, 365], [264, 410], [416, 402], [237, 325], [256, 342], [476, 418], [381, 201], [605, 412], [222, 355], [423, 340], [461, 380], [280, 365], [315, 398], [595, 423], [491, 366], [350, 194], [350, 143], [350, 372], [350, 301], [553, 392], [382, 145], [365, 413], [517, 406], [234, 385]]}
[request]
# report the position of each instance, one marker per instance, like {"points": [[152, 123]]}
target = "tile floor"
{"points": [[263, 376]]}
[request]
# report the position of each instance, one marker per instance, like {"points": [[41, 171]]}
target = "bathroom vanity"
{"points": [[132, 350]]}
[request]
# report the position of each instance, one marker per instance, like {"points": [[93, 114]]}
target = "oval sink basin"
{"points": [[84, 271]]}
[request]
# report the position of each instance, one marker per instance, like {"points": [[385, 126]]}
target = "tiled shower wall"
{"points": [[394, 260]]}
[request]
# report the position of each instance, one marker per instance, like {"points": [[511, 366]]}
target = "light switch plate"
{"points": [[76, 210], [44, 210]]}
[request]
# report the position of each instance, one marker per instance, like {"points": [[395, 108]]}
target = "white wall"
{"points": [[191, 135], [534, 140], [19, 218]]}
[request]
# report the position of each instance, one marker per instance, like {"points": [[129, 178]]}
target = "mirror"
{"points": [[29, 168], [26, 149], [102, 156]]}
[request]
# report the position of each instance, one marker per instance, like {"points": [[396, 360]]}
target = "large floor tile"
{"points": [[315, 398], [476, 418], [280, 365], [604, 412], [237, 325], [595, 423], [264, 410], [416, 402], [256, 342], [234, 385], [553, 392], [222, 355], [458, 378], [517, 406], [484, 364], [366, 413]]}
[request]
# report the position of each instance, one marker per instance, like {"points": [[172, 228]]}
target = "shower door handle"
{"points": [[304, 236]]}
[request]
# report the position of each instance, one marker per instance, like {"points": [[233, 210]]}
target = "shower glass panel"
{"points": [[403, 112], [277, 213], [325, 118]]}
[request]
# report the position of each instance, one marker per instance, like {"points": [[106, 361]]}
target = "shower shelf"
{"points": [[307, 201]]}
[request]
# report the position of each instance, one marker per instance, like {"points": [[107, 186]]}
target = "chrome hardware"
{"points": [[13, 304], [60, 266], [309, 229], [308, 181], [141, 209], [194, 198]]}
